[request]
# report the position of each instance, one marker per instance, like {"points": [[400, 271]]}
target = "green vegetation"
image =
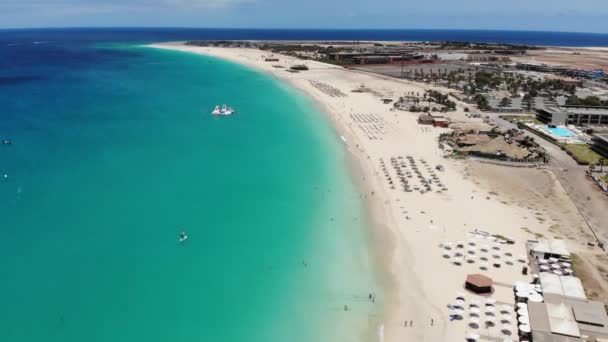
{"points": [[582, 153], [517, 118], [586, 101], [527, 230], [575, 260], [482, 102], [438, 97], [604, 178]]}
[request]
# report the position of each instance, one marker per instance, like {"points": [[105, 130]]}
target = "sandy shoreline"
{"points": [[407, 228]]}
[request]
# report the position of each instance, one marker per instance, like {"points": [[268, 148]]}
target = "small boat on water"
{"points": [[183, 237], [224, 110]]}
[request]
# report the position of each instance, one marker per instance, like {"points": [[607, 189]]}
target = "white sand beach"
{"points": [[407, 228]]}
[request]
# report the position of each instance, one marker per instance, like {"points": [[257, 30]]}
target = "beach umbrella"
{"points": [[522, 294], [485, 248], [522, 258], [568, 271], [556, 266], [483, 265], [508, 254], [524, 319], [457, 311], [471, 242], [447, 255], [543, 261], [519, 285], [474, 322], [475, 302], [536, 298], [490, 309], [544, 268], [522, 306], [506, 329], [496, 256], [566, 264], [506, 318], [474, 310], [457, 254], [523, 311], [491, 301], [471, 335], [506, 308], [524, 328], [490, 319], [459, 302], [553, 259], [460, 295], [509, 261], [559, 273], [460, 244]]}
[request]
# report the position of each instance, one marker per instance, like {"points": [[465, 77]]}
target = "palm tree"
{"points": [[602, 162]]}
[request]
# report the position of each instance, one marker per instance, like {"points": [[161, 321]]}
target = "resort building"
{"points": [[600, 143], [375, 58], [545, 249], [561, 286], [441, 122], [570, 115], [565, 319], [425, 119]]}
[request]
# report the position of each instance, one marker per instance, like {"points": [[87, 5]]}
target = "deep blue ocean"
{"points": [[171, 34]]}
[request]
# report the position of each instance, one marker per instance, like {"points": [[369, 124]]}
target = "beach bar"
{"points": [[478, 283], [566, 320], [545, 249]]}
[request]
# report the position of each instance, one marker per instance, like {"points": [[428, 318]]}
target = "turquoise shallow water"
{"points": [[114, 154]]}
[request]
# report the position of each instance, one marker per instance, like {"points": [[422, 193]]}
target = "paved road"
{"points": [[586, 195]]}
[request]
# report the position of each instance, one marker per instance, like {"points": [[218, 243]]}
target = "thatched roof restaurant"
{"points": [[479, 283]]}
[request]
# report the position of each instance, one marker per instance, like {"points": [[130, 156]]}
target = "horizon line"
{"points": [[291, 28]]}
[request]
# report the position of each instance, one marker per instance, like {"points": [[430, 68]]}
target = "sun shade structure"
{"points": [[479, 283], [562, 285]]}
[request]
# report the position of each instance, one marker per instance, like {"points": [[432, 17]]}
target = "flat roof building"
{"points": [[562, 286], [545, 249], [600, 143], [571, 115], [566, 320]]}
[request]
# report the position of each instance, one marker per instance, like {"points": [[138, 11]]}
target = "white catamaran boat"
{"points": [[225, 110]]}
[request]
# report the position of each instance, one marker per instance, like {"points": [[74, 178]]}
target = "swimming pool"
{"points": [[561, 132]]}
